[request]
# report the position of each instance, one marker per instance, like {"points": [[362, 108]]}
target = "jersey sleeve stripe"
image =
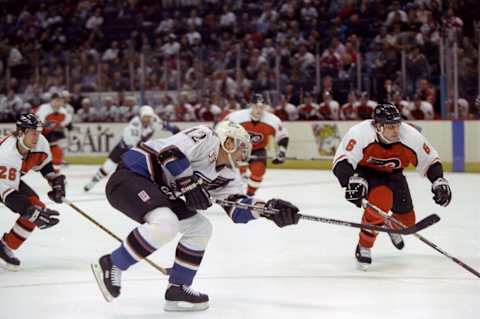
{"points": [[338, 160], [6, 192]]}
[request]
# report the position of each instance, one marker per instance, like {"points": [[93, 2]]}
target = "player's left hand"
{"points": [[287, 212], [442, 193], [280, 158], [58, 188]]}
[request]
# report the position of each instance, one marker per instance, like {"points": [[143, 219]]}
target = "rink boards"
{"points": [[457, 142]]}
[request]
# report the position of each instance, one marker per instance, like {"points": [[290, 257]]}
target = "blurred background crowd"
{"points": [[197, 59]]}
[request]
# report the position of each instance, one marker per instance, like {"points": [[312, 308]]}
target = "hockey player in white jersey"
{"points": [[140, 129], [24, 150], [161, 184], [369, 163]]}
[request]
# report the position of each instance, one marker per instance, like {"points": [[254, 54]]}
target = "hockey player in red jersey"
{"points": [[20, 152], [55, 118], [369, 164], [261, 125]]}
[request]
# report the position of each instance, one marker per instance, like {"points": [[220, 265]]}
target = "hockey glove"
{"points": [[42, 217], [357, 189], [280, 158], [196, 196], [287, 215], [442, 193], [171, 128], [57, 182]]}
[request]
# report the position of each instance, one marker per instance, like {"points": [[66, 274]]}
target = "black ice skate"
{"points": [[396, 239], [7, 258], [364, 258], [184, 298], [108, 277]]}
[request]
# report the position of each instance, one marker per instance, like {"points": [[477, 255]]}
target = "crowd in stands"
{"points": [[220, 52]]}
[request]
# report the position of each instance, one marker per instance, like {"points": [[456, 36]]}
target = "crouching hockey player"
{"points": [[369, 163], [140, 129], [161, 184], [24, 150]]}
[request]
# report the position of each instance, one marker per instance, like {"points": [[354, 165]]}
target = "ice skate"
{"points": [[108, 277], [184, 298], [364, 257], [8, 259]]}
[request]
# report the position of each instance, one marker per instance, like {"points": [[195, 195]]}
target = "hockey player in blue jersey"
{"points": [[161, 184]]}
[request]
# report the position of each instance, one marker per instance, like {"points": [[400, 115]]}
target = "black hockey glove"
{"points": [[196, 196], [287, 215], [280, 158], [356, 190], [57, 182], [42, 217], [442, 193]]}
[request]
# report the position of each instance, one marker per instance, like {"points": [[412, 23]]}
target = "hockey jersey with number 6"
{"points": [[360, 146]]}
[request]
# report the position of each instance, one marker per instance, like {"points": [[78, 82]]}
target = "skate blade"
{"points": [[362, 266], [98, 274], [184, 306], [9, 267]]}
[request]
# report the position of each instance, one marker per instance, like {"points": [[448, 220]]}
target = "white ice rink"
{"points": [[257, 270]]}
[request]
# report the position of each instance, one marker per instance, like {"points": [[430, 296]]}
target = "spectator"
{"points": [[420, 110], [365, 107], [285, 111], [348, 110], [87, 113], [10, 106], [329, 109], [308, 111], [109, 112]]}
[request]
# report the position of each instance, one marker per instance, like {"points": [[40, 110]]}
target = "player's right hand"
{"points": [[287, 212], [195, 195], [357, 189], [42, 217]]}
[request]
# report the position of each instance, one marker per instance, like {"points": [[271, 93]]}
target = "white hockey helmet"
{"points": [[146, 110], [229, 129]]}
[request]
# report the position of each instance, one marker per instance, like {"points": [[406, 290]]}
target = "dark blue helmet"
{"points": [[257, 99], [28, 120], [386, 113]]}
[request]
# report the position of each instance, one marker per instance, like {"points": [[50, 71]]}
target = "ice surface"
{"points": [[257, 270]]}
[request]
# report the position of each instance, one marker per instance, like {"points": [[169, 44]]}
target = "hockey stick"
{"points": [[289, 158], [380, 212], [105, 229], [424, 223]]}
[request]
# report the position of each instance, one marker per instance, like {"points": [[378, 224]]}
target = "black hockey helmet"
{"points": [[257, 98], [28, 120], [386, 113]]}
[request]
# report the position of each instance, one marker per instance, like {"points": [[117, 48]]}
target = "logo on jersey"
{"points": [[212, 157], [393, 163], [256, 137], [144, 196]]}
